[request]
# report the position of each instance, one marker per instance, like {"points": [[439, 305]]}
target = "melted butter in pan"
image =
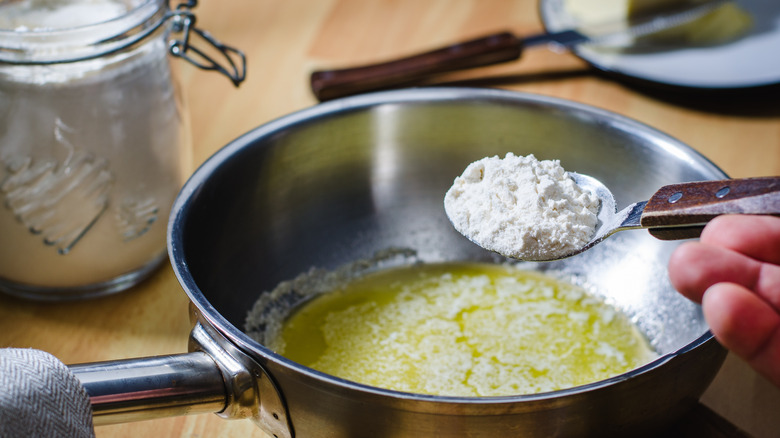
{"points": [[463, 329]]}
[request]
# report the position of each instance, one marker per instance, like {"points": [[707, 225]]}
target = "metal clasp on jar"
{"points": [[184, 22]]}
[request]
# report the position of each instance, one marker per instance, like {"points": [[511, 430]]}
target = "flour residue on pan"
{"points": [[264, 321]]}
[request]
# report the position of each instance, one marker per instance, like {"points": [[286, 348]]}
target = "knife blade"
{"points": [[493, 49]]}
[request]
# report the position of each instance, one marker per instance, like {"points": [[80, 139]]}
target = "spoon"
{"points": [[679, 211]]}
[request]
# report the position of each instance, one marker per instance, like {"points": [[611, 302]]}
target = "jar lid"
{"points": [[40, 32], [37, 15], [46, 31]]}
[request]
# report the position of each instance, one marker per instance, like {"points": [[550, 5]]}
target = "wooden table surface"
{"points": [[284, 41]]}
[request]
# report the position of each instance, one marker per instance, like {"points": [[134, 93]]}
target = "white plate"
{"points": [[751, 61]]}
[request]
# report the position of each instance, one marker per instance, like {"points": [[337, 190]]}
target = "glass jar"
{"points": [[92, 138]]}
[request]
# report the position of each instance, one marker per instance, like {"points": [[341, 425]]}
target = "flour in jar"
{"points": [[522, 207]]}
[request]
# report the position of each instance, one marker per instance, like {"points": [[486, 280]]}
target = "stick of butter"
{"points": [[723, 24]]}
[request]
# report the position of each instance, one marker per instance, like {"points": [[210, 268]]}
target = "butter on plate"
{"points": [[723, 24]]}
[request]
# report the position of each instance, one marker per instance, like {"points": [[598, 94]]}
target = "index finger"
{"points": [[757, 237]]}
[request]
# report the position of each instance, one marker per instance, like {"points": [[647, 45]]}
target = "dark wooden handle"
{"points": [[690, 204], [492, 49]]}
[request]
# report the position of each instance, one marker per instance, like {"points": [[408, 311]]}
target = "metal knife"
{"points": [[492, 49]]}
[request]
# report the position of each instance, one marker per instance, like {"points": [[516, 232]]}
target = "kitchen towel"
{"points": [[40, 397]]}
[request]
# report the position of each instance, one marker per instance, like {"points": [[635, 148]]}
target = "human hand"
{"points": [[734, 272]]}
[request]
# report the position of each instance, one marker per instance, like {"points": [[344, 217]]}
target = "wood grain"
{"points": [[698, 202], [285, 40]]}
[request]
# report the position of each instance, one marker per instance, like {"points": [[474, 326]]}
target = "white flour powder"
{"points": [[522, 207]]}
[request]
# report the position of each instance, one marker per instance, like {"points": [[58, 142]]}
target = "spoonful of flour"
{"points": [[522, 208]]}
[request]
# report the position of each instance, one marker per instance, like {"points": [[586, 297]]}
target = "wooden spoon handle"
{"points": [[492, 49], [690, 205]]}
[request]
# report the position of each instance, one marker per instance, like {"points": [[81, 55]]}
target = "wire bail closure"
{"points": [[184, 22]]}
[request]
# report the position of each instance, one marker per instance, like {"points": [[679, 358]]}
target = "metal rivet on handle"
{"points": [[675, 197], [723, 192]]}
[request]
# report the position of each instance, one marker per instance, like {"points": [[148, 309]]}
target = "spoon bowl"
{"points": [[608, 217]]}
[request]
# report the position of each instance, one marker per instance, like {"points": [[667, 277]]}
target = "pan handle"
{"points": [[153, 387], [216, 376]]}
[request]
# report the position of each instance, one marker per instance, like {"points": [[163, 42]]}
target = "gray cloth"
{"points": [[40, 397]]}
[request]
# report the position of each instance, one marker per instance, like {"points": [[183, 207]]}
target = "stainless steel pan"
{"points": [[335, 183]]}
